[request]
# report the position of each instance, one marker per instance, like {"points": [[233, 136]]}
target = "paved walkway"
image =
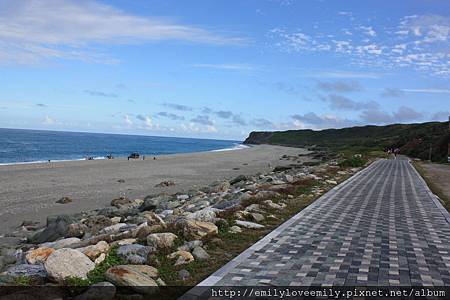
{"points": [[382, 227]]}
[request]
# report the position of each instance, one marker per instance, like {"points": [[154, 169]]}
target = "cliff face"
{"points": [[413, 139]]}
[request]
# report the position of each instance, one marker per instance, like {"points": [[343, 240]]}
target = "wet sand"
{"points": [[29, 191]]}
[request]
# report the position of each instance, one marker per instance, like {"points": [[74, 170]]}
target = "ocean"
{"points": [[33, 146]]}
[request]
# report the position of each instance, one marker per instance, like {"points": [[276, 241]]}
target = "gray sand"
{"points": [[29, 192]]}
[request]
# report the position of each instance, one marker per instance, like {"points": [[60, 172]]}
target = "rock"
{"points": [[161, 240], [160, 282], [64, 263], [183, 275], [281, 168], [97, 223], [64, 200], [144, 231], [34, 272], [149, 204], [334, 182], [115, 220], [254, 208], [182, 197], [220, 187], [189, 246], [61, 243], [137, 277], [238, 179], [249, 225], [100, 259], [200, 254], [120, 202], [288, 178], [38, 255], [124, 242], [113, 228], [57, 227], [193, 229], [257, 217], [153, 219], [235, 229], [270, 204], [134, 254], [165, 183], [94, 251], [76, 230], [108, 212], [206, 215], [98, 291], [183, 257], [121, 181]]}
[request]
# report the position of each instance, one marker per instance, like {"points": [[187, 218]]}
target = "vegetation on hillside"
{"points": [[414, 140]]}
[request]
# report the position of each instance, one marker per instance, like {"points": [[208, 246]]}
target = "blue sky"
{"points": [[220, 69]]}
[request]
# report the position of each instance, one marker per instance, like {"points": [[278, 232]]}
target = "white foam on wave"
{"points": [[46, 161], [234, 147]]}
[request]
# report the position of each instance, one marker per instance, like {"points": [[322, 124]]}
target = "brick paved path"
{"points": [[382, 227]]}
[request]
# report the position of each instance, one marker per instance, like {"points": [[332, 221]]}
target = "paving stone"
{"points": [[381, 227]]}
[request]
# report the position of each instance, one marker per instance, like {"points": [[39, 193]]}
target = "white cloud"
{"points": [[128, 120], [427, 91], [49, 121], [32, 30], [225, 66]]}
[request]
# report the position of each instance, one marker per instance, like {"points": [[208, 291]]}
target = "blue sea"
{"points": [[26, 146]]}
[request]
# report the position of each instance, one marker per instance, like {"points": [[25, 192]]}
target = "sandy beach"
{"points": [[29, 191]]}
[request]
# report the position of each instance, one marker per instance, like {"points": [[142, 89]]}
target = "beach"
{"points": [[30, 191]]}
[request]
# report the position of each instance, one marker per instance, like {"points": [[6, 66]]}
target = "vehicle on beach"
{"points": [[133, 156]]}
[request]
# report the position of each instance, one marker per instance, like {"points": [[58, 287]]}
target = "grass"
{"points": [[23, 281], [433, 187], [98, 274]]}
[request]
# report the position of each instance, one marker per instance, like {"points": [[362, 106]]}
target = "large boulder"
{"points": [[38, 255], [140, 278], [153, 202], [197, 230], [34, 272], [57, 227], [134, 254], [200, 254], [76, 230], [64, 263], [164, 240]]}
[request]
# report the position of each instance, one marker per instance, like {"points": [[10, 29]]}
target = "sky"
{"points": [[221, 69]]}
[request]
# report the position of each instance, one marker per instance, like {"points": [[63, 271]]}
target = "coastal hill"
{"points": [[414, 140]]}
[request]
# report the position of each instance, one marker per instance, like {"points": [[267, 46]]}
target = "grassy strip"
{"points": [[433, 187]]}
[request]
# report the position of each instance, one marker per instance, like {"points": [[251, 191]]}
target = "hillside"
{"points": [[412, 139]]}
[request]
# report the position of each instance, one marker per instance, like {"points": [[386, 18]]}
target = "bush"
{"points": [[354, 162]]}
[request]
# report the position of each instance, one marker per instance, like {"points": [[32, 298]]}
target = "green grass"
{"points": [[98, 274], [353, 162], [23, 281]]}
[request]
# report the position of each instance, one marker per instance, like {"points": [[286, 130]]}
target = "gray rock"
{"points": [[120, 202], [184, 275], [238, 179], [57, 227], [26, 270], [64, 263], [97, 223], [64, 200], [61, 243], [200, 254], [99, 291], [235, 229], [249, 225], [108, 212], [134, 254], [149, 204], [113, 228]]}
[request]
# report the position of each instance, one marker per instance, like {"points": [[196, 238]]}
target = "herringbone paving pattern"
{"points": [[380, 228]]}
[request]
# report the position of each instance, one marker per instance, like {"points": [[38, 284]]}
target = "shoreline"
{"points": [[31, 190], [233, 148]]}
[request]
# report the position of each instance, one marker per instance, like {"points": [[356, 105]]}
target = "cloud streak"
{"points": [[35, 30]]}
